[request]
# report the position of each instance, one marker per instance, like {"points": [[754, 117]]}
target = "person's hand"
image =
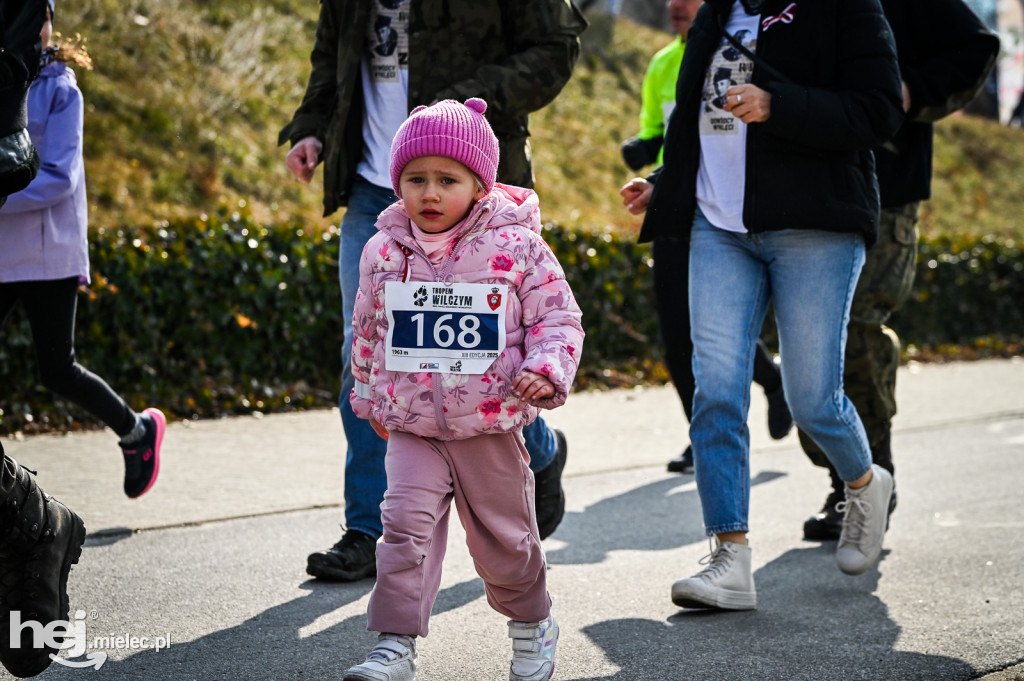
{"points": [[377, 428], [532, 388], [906, 97], [636, 194], [748, 103], [303, 157]]}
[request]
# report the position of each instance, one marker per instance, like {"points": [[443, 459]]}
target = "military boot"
{"points": [[40, 539]]}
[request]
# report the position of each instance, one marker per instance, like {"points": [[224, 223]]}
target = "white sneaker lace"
{"points": [[718, 562], [855, 513]]}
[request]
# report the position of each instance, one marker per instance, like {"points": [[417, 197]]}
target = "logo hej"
{"points": [[71, 636]]}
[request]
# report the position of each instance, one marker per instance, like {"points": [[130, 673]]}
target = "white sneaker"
{"points": [[727, 582], [533, 649], [866, 517], [392, 659]]}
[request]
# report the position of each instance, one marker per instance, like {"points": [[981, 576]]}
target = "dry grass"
{"points": [[187, 96]]}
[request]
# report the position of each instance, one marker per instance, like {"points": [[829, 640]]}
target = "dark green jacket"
{"points": [[515, 55]]}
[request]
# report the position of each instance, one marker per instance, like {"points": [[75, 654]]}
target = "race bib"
{"points": [[449, 328]]}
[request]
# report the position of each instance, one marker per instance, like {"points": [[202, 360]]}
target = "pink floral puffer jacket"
{"points": [[499, 243]]}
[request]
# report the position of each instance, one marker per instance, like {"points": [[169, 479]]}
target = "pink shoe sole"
{"points": [[160, 421]]}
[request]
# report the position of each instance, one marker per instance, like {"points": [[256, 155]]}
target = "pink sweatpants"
{"points": [[489, 478]]}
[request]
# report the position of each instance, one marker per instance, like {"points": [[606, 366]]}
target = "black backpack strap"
{"points": [[771, 70]]}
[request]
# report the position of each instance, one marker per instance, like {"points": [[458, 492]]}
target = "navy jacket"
{"points": [[836, 94], [945, 56]]}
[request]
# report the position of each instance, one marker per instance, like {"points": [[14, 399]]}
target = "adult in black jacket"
{"points": [[40, 538], [945, 56], [670, 255], [20, 22], [777, 198]]}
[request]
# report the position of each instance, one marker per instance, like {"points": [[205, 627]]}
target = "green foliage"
{"points": [[235, 313], [968, 291], [611, 279], [221, 315], [203, 317]]}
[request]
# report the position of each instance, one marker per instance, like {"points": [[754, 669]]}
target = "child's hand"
{"points": [[532, 388], [379, 429]]}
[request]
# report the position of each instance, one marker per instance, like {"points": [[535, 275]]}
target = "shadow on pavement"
{"points": [[271, 645], [670, 519], [813, 623], [266, 646]]}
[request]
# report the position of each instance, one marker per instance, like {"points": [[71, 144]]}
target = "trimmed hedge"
{"points": [[221, 315], [967, 292], [201, 317]]}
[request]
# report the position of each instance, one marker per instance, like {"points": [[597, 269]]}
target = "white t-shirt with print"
{"points": [[721, 178], [385, 73]]}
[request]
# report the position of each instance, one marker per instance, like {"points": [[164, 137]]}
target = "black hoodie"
{"points": [[22, 20], [945, 55]]}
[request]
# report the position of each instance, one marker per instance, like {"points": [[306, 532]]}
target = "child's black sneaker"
{"points": [[142, 458]]}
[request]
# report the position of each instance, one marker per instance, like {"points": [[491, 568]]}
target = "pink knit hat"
{"points": [[458, 131]]}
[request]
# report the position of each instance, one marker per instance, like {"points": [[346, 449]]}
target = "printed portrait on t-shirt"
{"points": [[387, 37], [721, 81], [731, 52], [387, 42], [729, 67]]}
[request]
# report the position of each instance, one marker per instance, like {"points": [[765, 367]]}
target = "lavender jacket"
{"points": [[44, 227], [499, 243]]}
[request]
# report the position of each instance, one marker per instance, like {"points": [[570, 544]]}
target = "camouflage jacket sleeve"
{"points": [[314, 113], [543, 40]]}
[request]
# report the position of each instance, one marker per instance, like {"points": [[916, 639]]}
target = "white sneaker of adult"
{"points": [[726, 583], [533, 649], [392, 659], [865, 518]]}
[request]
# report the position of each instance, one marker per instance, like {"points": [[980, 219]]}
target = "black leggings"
{"points": [[671, 295], [51, 306]]}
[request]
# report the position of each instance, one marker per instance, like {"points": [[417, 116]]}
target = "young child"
{"points": [[44, 256], [464, 328]]}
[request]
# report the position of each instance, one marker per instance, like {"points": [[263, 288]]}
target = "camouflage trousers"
{"points": [[873, 349]]}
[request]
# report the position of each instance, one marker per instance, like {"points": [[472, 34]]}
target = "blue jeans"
{"points": [[810, 276], [365, 479]]}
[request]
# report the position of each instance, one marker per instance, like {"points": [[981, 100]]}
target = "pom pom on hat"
{"points": [[450, 129]]}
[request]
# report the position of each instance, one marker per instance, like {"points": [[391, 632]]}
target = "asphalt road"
{"points": [[210, 563]]}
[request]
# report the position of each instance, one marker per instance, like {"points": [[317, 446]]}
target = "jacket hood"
{"points": [[508, 205], [55, 69], [504, 205]]}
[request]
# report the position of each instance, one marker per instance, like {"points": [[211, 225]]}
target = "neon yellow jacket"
{"points": [[659, 91]]}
